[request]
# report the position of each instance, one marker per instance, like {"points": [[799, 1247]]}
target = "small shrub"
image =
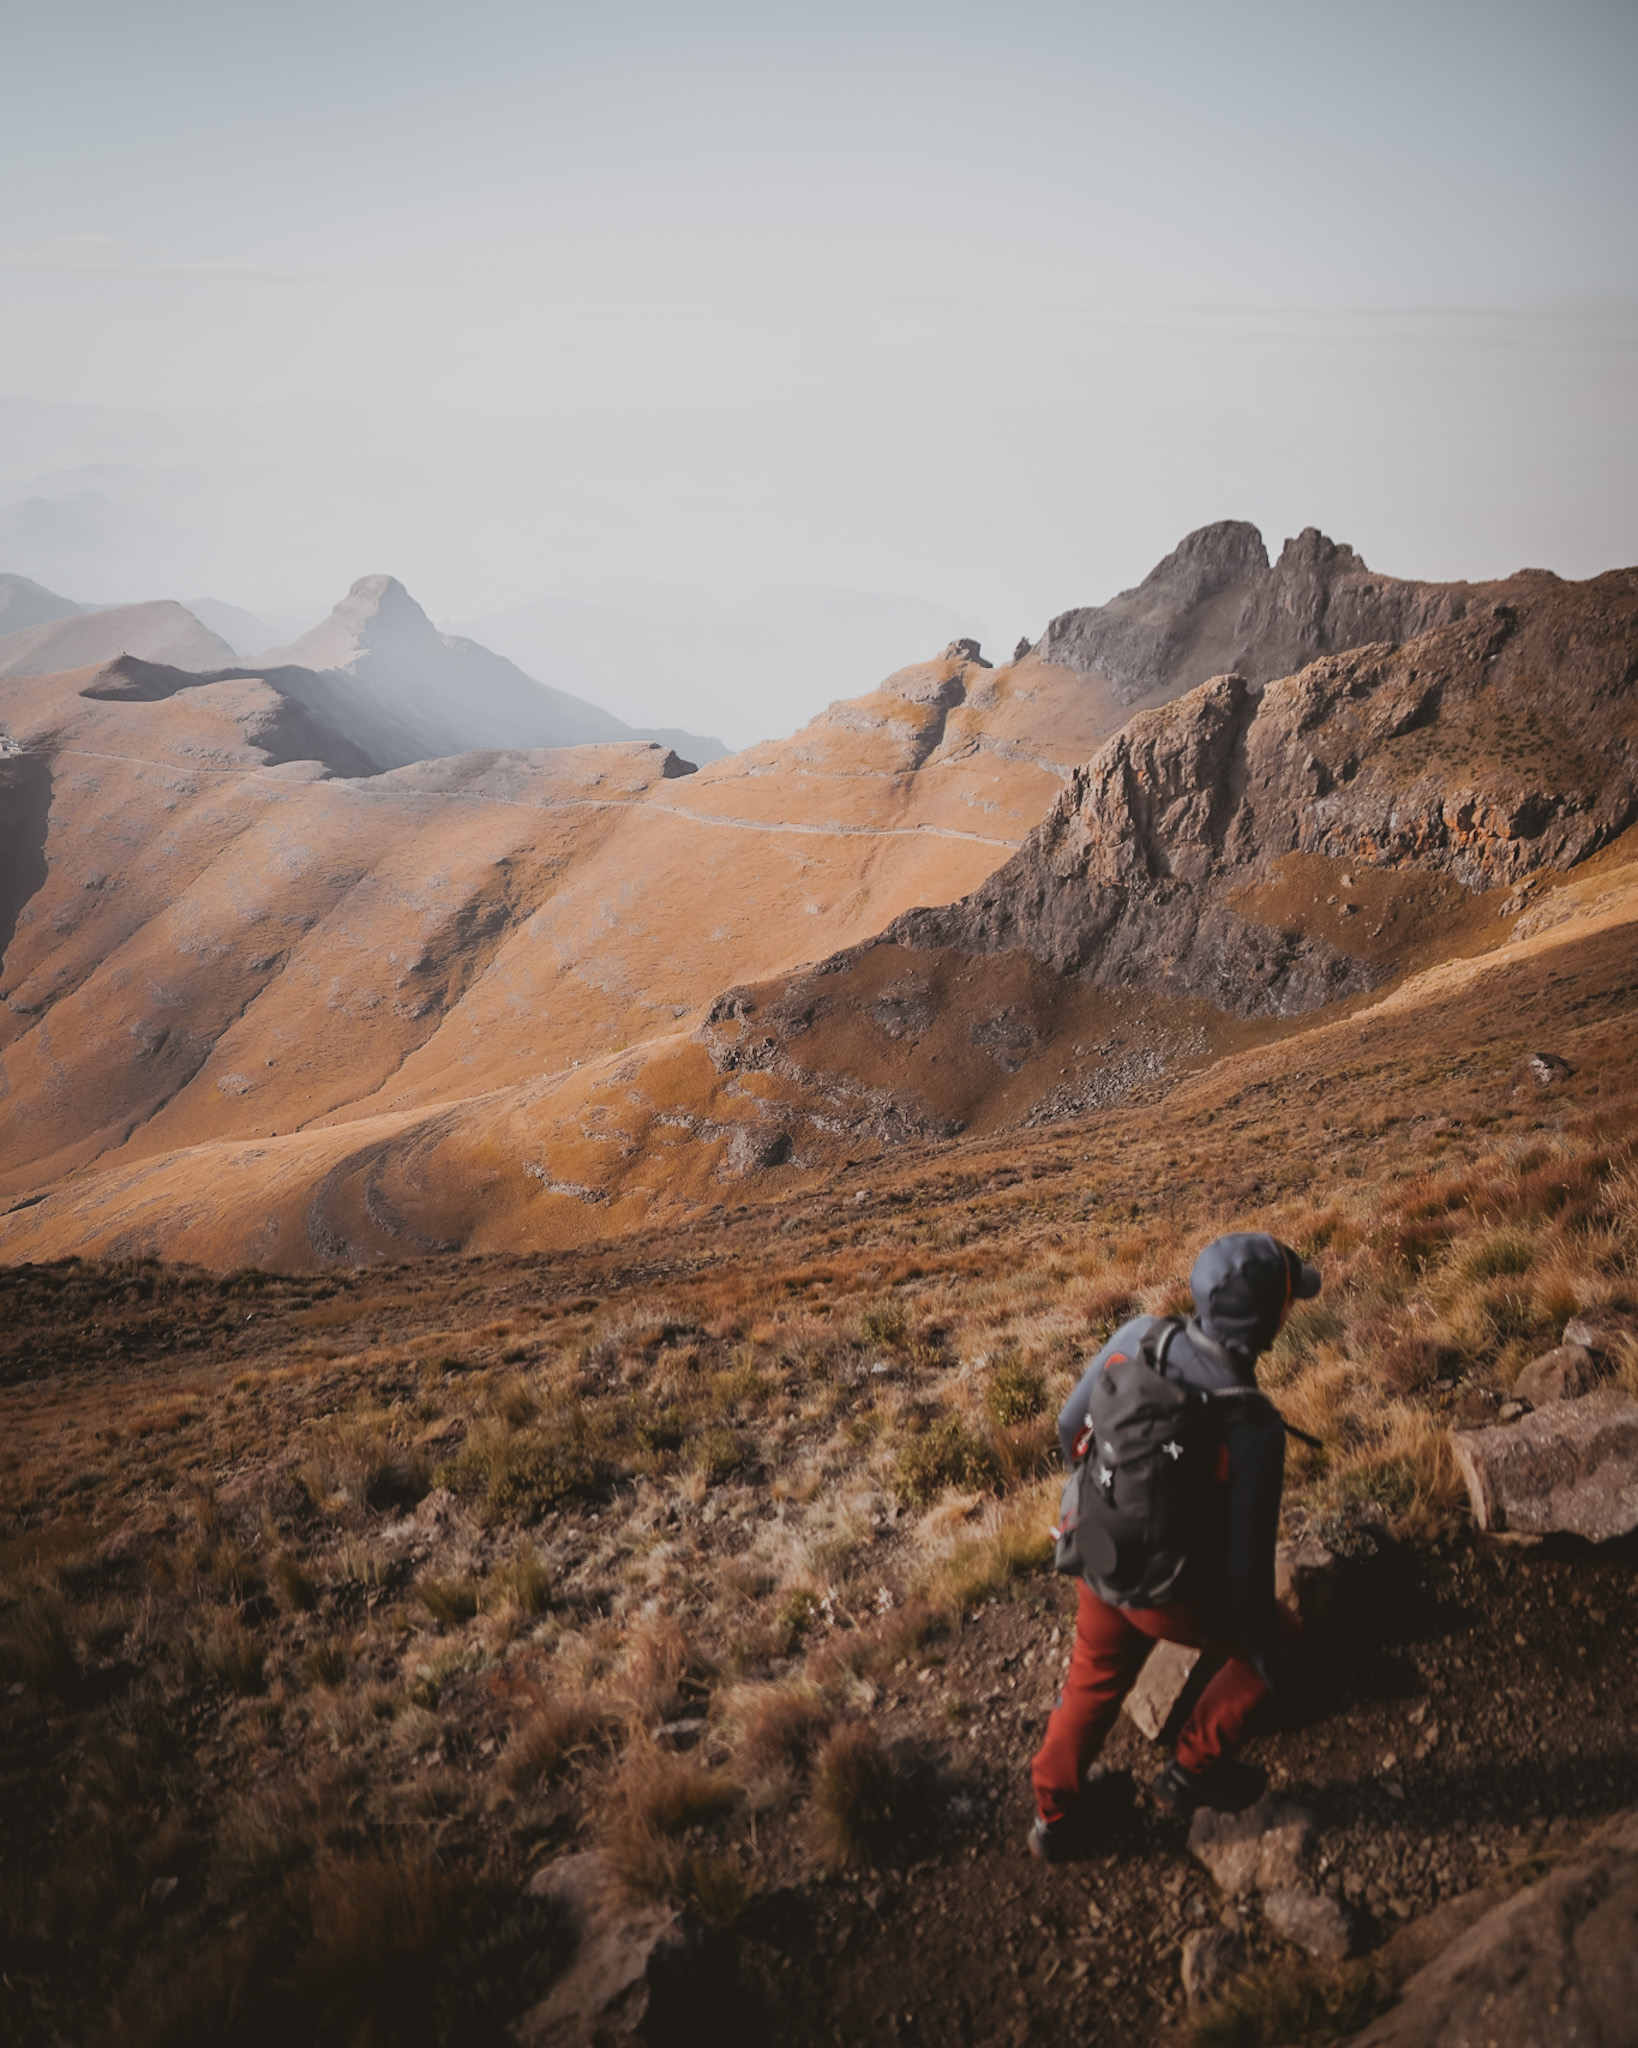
{"points": [[1281, 2003], [449, 1601], [859, 1797], [553, 1734], [884, 1322], [524, 1581], [326, 1663], [798, 1611], [232, 1655], [946, 1454], [1016, 1393], [717, 1454], [520, 1474], [658, 1797], [1503, 1254], [36, 1647], [781, 1734], [516, 1404], [295, 1588]]}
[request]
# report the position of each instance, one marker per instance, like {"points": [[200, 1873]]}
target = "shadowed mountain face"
{"points": [[1215, 606], [411, 693], [1234, 856], [254, 1009]]}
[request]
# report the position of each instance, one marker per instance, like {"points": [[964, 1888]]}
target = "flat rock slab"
{"points": [[1569, 1469], [1556, 1963], [1304, 1580], [604, 1992], [1166, 1671]]}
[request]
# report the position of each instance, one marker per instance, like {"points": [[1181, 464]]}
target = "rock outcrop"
{"points": [[1558, 1962], [1268, 1852], [1215, 604], [1477, 755], [1571, 1469]]}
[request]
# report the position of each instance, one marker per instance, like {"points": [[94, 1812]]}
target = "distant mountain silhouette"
{"points": [[412, 693], [163, 631], [24, 603]]}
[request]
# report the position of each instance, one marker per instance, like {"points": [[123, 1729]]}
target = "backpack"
{"points": [[1138, 1506]]}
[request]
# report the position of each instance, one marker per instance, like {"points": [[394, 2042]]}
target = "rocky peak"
{"points": [[1490, 747], [1215, 604]]}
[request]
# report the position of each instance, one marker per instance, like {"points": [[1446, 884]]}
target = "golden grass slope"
{"points": [[230, 947]]}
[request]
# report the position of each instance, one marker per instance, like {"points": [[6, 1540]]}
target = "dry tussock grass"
{"points": [[661, 1805]]}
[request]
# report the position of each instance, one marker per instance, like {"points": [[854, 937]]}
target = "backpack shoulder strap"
{"points": [[1157, 1340]]}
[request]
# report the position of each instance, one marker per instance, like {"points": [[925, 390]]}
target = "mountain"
{"points": [[1231, 860], [1215, 605], [413, 693], [264, 948], [243, 631], [294, 1013], [161, 632], [24, 604]]}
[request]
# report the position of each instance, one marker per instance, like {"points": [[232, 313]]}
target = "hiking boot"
{"points": [[1053, 1841], [1225, 1785]]}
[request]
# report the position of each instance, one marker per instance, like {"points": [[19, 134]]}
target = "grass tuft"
{"points": [[450, 1602], [1286, 2003], [658, 1798], [861, 1797], [37, 1649]]}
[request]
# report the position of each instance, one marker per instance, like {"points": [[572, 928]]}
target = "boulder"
{"points": [[1547, 1067], [1562, 1375], [1571, 1468], [1305, 1580], [1557, 1962], [1311, 1921], [1266, 1848], [604, 1993], [1160, 1685], [1211, 1956], [1601, 1331]]}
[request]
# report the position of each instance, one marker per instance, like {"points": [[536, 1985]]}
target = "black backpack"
{"points": [[1138, 1507]]}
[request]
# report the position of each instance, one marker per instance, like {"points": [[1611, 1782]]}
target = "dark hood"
{"points": [[1242, 1286]]}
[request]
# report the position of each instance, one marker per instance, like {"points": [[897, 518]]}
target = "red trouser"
{"points": [[1110, 1646]]}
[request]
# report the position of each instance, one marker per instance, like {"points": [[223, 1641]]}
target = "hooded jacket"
{"points": [[1242, 1289]]}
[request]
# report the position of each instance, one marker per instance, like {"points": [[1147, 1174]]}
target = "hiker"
{"points": [[1170, 1520]]}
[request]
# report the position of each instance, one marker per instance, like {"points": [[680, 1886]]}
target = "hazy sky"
{"points": [[984, 305]]}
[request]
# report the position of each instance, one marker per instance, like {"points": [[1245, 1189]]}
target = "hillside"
{"points": [[521, 1000], [470, 925], [162, 632], [24, 604], [342, 1617], [402, 691]]}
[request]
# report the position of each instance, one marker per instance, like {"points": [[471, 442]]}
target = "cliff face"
{"points": [[1481, 752], [1215, 605]]}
